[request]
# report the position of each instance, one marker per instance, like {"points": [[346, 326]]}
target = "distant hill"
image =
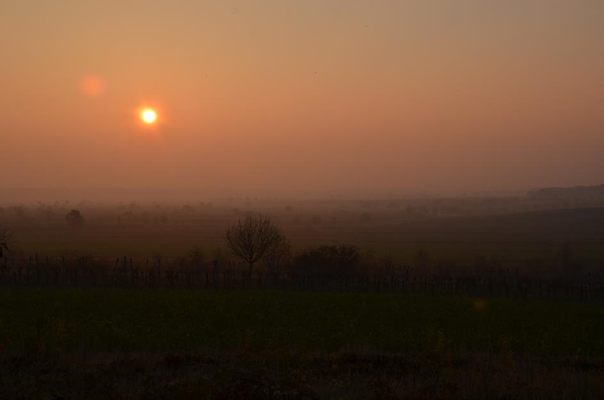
{"points": [[582, 225], [582, 192]]}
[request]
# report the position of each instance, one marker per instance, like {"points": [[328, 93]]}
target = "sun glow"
{"points": [[148, 116]]}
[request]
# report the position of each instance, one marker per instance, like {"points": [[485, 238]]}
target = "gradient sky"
{"points": [[308, 98]]}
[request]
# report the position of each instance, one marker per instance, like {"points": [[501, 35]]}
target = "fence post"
{"points": [[215, 272], [47, 268], [28, 268], [37, 270], [158, 271]]}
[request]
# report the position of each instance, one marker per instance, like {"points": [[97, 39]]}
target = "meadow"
{"points": [[113, 319], [285, 345]]}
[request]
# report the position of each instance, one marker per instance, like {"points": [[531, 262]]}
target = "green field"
{"points": [[63, 319], [143, 344]]}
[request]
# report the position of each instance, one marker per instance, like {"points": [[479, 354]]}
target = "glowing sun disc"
{"points": [[148, 116]]}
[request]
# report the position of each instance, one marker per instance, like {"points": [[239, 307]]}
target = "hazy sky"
{"points": [[308, 97]]}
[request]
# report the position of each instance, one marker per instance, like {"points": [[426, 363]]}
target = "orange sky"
{"points": [[302, 97]]}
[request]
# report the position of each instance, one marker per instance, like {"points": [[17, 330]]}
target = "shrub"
{"points": [[328, 260]]}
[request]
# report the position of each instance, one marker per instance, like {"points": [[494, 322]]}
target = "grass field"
{"points": [[62, 319], [143, 344]]}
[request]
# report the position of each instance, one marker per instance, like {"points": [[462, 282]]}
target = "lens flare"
{"points": [[92, 85]]}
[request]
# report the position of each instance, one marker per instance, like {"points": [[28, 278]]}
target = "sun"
{"points": [[148, 116]]}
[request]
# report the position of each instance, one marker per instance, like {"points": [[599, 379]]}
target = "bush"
{"points": [[328, 260]]}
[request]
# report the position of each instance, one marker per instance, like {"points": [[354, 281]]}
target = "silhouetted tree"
{"points": [[252, 238], [19, 211], [75, 219], [5, 238]]}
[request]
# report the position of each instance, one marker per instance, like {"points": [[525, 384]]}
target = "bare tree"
{"points": [[75, 219], [5, 238], [252, 238]]}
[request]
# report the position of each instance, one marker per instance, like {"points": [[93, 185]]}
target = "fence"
{"points": [[176, 274]]}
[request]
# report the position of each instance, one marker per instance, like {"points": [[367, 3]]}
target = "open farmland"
{"points": [[439, 306], [518, 238]]}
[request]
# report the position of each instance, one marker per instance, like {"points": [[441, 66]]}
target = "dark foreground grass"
{"points": [[272, 345], [223, 375], [66, 319]]}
